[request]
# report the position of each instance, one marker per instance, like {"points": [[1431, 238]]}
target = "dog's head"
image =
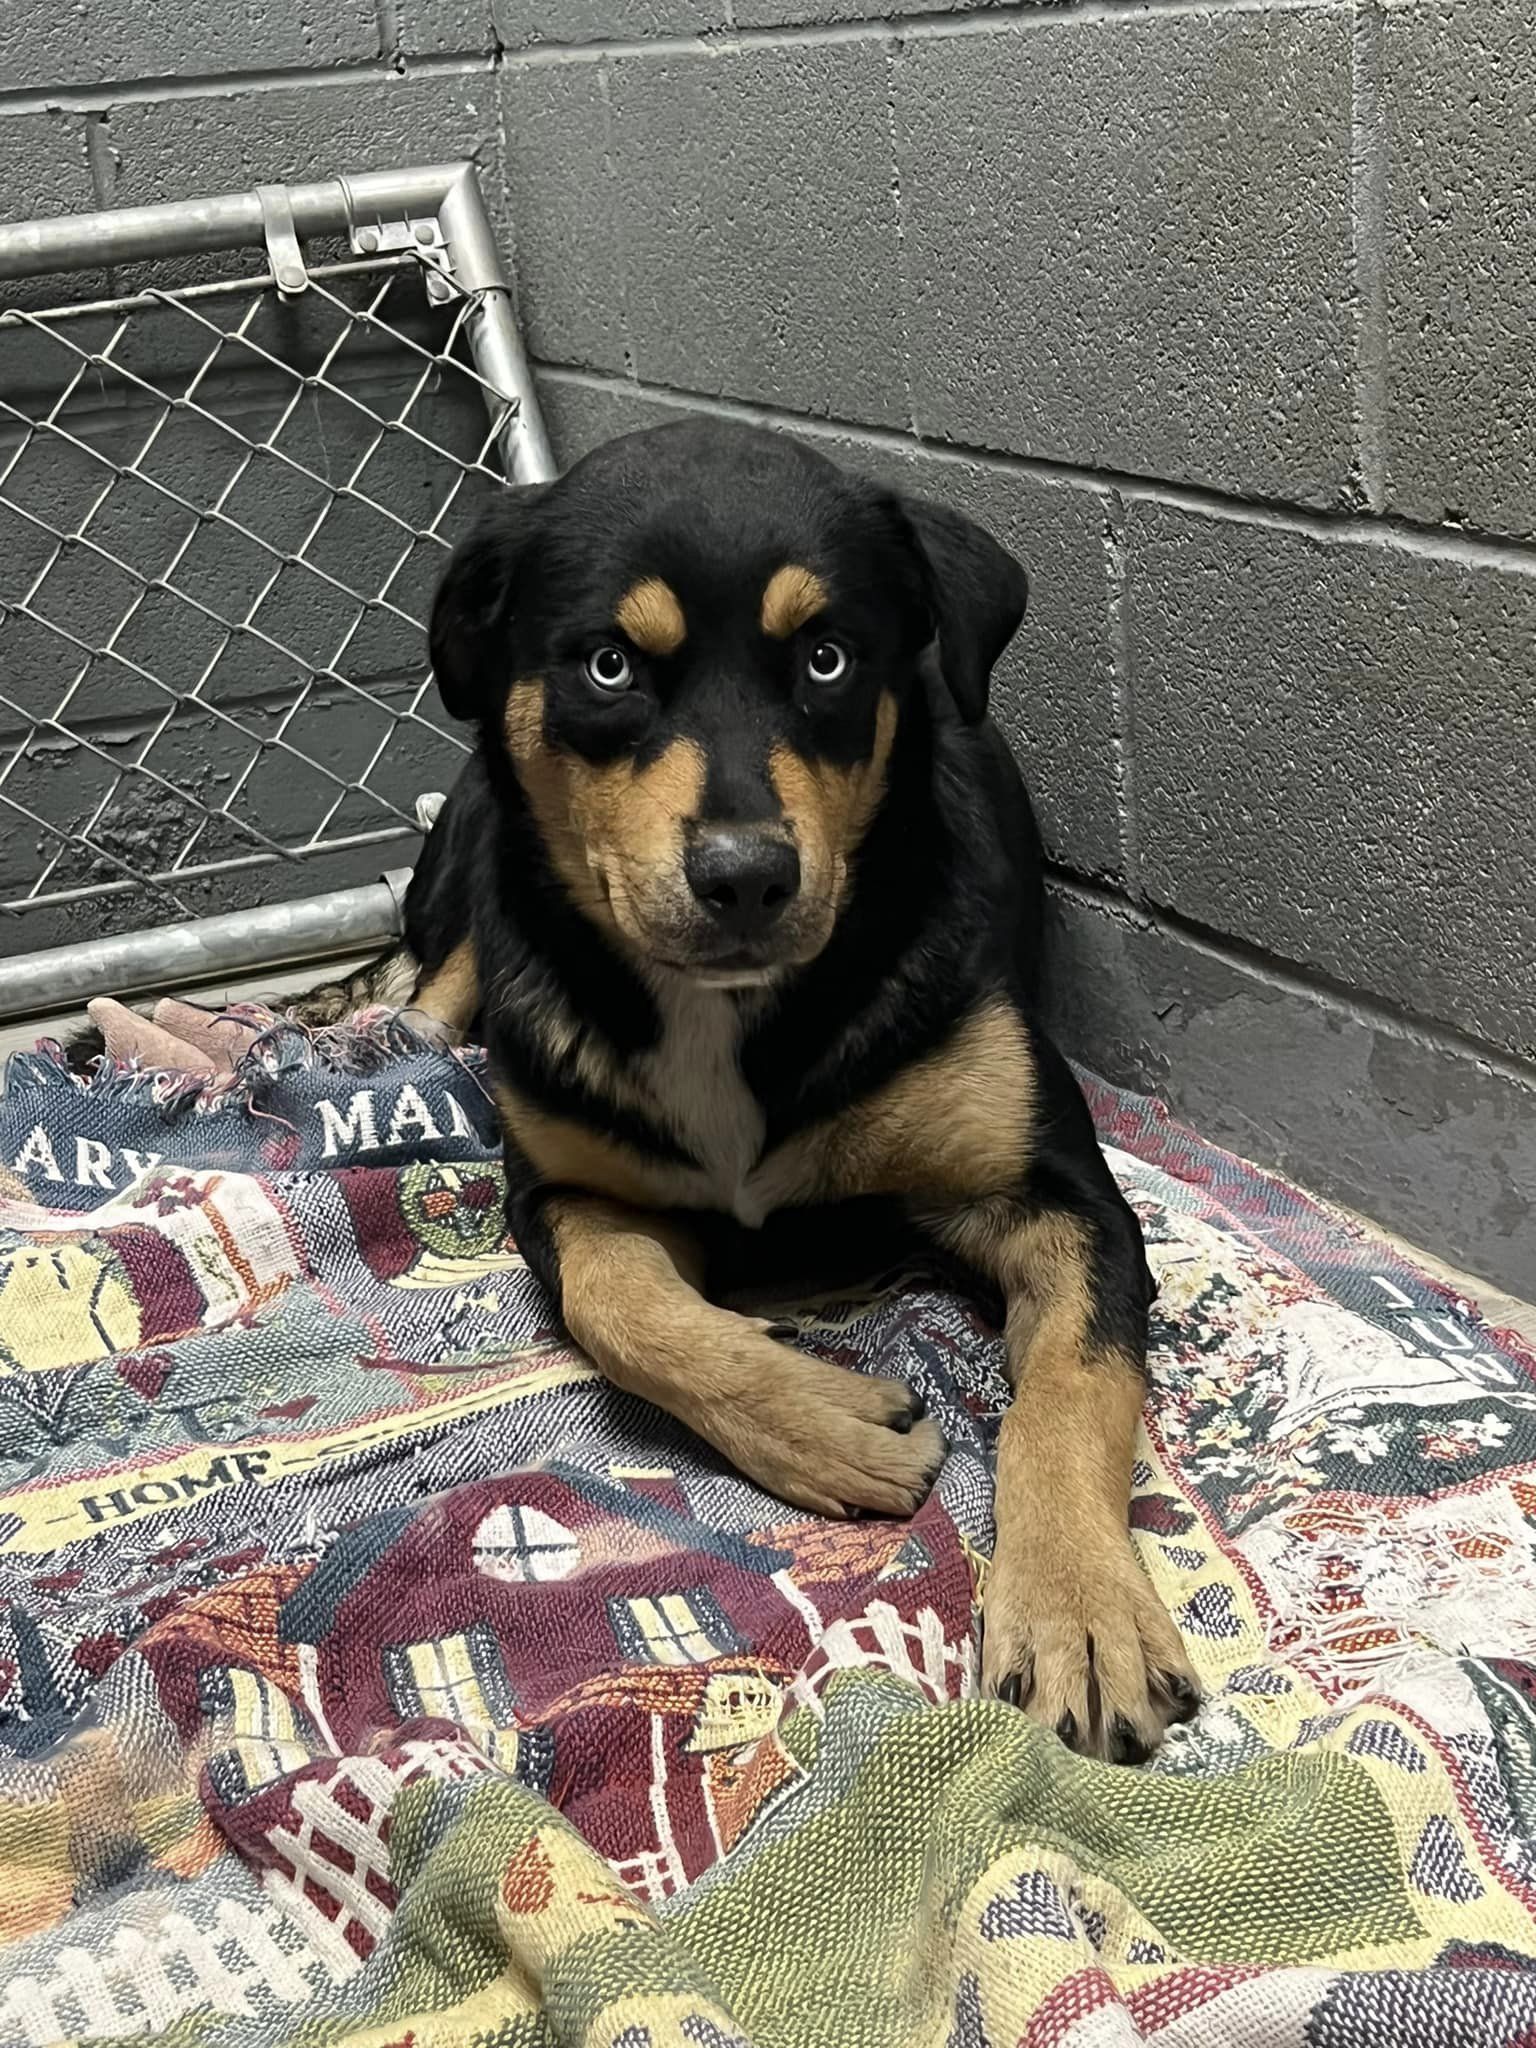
{"points": [[696, 650]]}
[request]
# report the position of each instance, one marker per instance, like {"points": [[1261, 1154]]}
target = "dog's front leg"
{"points": [[446, 998], [628, 1285], [1072, 1629]]}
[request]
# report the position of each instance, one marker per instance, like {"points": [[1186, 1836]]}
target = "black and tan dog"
{"points": [[742, 890]]}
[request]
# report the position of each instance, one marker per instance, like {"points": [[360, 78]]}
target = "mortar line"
{"points": [[387, 14], [1294, 979], [1122, 732], [1368, 217], [1013, 16], [1352, 528], [1010, 16], [126, 728], [100, 158], [217, 85], [894, 57], [611, 204], [510, 214]]}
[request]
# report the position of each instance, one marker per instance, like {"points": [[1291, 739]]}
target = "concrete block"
{"points": [[561, 229], [1459, 83], [181, 148], [39, 362], [121, 39], [246, 349], [43, 167], [88, 785], [338, 733], [190, 146], [517, 24], [138, 909], [70, 531], [44, 170], [1053, 693], [1127, 243], [1331, 760], [757, 221], [224, 777], [581, 417], [1424, 1139], [431, 27], [240, 622], [158, 818]]}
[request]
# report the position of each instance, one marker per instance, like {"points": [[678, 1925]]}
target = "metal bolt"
{"points": [[425, 232], [367, 240]]}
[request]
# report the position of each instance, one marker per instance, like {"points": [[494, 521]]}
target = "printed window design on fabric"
{"points": [[672, 1628], [527, 1754], [739, 1707], [519, 1545], [247, 1703], [453, 1678], [266, 1736]]}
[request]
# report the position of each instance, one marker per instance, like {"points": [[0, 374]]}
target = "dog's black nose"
{"points": [[743, 877]]}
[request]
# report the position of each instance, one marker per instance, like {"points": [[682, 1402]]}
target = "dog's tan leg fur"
{"points": [[826, 1439], [1068, 1609], [444, 1003]]}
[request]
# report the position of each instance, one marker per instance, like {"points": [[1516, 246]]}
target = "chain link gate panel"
{"points": [[227, 489]]}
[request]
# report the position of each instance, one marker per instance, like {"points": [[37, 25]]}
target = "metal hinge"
{"points": [[424, 240], [281, 238]]}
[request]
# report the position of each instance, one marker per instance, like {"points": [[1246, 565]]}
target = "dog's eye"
{"points": [[609, 667], [827, 662]]}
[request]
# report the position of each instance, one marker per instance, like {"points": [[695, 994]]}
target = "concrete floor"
{"points": [[1502, 1311]]}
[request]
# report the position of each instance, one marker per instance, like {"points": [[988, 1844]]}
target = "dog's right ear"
{"points": [[474, 602], [978, 593]]}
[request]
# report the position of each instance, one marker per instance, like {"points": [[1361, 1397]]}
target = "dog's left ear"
{"points": [[474, 600], [978, 593]]}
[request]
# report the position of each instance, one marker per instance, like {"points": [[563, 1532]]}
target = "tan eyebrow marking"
{"points": [[793, 595], [652, 617]]}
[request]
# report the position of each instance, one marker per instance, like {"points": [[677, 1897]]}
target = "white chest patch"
{"points": [[693, 1087]]}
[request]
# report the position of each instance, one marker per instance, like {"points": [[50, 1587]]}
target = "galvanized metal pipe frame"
{"points": [[344, 920], [205, 948]]}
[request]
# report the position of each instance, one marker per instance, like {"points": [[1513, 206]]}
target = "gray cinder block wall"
{"points": [[1222, 315]]}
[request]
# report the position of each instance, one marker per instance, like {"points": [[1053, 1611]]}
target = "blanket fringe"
{"points": [[362, 1045]]}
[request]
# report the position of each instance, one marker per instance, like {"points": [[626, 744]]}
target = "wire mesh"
{"points": [[223, 510]]}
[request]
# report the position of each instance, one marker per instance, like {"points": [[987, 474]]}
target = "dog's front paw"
{"points": [[832, 1441], [1073, 1633]]}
